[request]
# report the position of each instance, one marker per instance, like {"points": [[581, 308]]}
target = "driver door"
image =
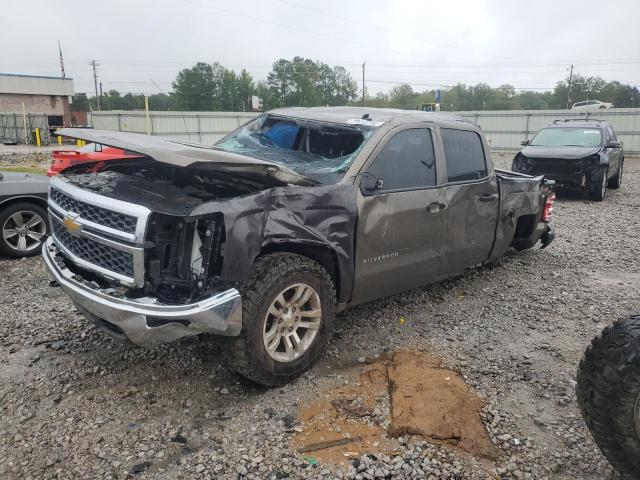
{"points": [[402, 218]]}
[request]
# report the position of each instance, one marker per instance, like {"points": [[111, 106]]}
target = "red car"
{"points": [[92, 152]]}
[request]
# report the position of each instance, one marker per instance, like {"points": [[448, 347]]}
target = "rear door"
{"points": [[401, 225], [471, 193]]}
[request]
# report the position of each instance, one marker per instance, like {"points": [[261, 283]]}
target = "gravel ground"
{"points": [[75, 403]]}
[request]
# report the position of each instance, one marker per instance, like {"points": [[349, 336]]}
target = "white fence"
{"points": [[507, 128], [504, 129], [199, 127]]}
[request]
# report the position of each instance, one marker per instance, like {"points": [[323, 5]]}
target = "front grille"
{"points": [[89, 250], [551, 165], [92, 213]]}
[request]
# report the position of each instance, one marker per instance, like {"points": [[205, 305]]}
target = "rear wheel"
{"points": [[288, 308], [608, 392], [23, 228], [598, 185], [616, 181]]}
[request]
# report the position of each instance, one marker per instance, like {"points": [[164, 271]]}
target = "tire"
{"points": [[616, 181], [598, 185], [14, 240], [276, 274], [608, 391]]}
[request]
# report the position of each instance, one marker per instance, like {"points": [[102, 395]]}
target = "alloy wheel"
{"points": [[24, 230], [292, 322]]}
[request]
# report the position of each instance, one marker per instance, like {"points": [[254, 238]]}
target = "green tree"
{"points": [[345, 87], [245, 88], [194, 88]]}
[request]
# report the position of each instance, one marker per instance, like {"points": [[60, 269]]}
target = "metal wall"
{"points": [[12, 127], [200, 127], [36, 85], [504, 129]]}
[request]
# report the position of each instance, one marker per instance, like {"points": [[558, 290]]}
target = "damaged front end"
{"points": [[150, 276], [153, 251]]}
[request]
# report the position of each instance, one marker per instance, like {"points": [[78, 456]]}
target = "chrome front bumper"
{"points": [[146, 321]]}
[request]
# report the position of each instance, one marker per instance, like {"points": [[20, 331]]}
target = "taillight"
{"points": [[548, 207]]}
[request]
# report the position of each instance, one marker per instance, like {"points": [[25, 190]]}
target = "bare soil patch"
{"points": [[408, 394]]}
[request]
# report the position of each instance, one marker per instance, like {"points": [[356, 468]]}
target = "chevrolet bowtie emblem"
{"points": [[71, 225]]}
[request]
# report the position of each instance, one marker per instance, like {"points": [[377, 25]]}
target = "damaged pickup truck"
{"points": [[291, 218]]}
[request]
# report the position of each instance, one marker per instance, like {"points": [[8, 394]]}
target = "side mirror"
{"points": [[371, 184], [524, 143], [613, 144]]}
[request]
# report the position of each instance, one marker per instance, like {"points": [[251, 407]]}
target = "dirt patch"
{"points": [[407, 394]]}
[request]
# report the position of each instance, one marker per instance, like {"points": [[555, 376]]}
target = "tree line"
{"points": [[305, 82]]}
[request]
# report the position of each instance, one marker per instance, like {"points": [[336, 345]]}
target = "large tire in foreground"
{"points": [[608, 392], [598, 185], [288, 309]]}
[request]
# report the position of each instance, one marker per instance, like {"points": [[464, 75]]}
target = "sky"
{"points": [[427, 44]]}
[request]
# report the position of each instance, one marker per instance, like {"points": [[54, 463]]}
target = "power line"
{"points": [[383, 29], [299, 29]]}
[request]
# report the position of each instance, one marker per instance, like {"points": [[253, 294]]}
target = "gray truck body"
{"points": [[133, 264]]}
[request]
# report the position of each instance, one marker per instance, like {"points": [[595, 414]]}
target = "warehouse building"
{"points": [[40, 95]]}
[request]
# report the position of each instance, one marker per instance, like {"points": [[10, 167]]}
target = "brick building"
{"points": [[50, 95]]}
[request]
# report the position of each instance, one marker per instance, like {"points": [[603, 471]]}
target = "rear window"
{"points": [[90, 148], [567, 137], [465, 155]]}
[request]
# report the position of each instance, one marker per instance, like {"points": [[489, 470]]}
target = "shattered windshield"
{"points": [[321, 151]]}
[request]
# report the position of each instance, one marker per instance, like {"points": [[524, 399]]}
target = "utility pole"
{"points": [[95, 64], [363, 87], [569, 90]]}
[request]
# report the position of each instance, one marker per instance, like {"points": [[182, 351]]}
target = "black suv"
{"points": [[575, 153]]}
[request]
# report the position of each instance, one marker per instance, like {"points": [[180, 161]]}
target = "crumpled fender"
{"points": [[322, 216]]}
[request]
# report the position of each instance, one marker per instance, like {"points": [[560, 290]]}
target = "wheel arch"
{"points": [[41, 202], [322, 254]]}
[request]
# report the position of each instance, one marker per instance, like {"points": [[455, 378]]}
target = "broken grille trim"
{"points": [[137, 255], [101, 233], [117, 221], [107, 203]]}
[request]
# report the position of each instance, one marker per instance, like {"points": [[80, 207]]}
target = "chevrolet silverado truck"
{"points": [[293, 217]]}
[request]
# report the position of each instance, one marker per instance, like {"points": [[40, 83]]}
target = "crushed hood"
{"points": [[192, 155]]}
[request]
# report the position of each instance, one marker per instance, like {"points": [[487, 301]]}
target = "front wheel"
{"points": [[288, 308], [616, 181], [598, 185], [23, 228], [608, 392]]}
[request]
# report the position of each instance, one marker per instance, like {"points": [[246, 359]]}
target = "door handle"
{"points": [[488, 197], [435, 207]]}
